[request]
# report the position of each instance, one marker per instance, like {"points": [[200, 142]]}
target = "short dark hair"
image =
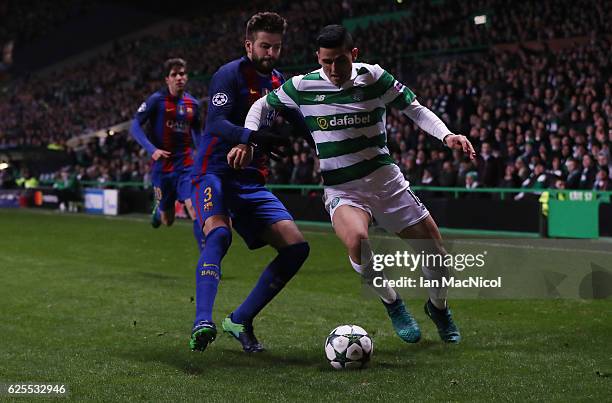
{"points": [[266, 22], [334, 36], [172, 63]]}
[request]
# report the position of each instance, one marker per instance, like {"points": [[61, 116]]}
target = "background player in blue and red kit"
{"points": [[174, 127], [224, 196]]}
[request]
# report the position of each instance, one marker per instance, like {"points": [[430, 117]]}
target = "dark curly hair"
{"points": [[266, 22]]}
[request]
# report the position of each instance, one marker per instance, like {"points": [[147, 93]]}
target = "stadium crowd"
{"points": [[538, 119], [24, 22], [451, 25]]}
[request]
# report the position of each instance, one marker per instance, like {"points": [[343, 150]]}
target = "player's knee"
{"points": [[294, 257], [356, 240], [219, 237], [299, 251], [215, 221]]}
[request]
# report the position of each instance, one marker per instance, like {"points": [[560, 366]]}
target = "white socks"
{"points": [[387, 294], [437, 295]]}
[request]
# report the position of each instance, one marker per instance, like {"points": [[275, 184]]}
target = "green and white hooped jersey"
{"points": [[348, 124]]}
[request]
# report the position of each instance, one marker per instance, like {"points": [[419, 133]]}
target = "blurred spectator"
{"points": [[302, 169], [602, 181], [538, 179], [510, 179], [573, 175], [603, 161], [67, 191], [587, 177], [448, 176], [428, 179], [488, 166], [471, 182], [27, 180]]}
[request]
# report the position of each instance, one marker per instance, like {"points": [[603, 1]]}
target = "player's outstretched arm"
{"points": [[262, 136], [223, 97], [145, 112], [143, 140], [257, 114], [460, 142], [430, 123]]}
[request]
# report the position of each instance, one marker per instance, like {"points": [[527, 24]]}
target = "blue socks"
{"points": [[208, 271], [272, 280], [198, 234]]}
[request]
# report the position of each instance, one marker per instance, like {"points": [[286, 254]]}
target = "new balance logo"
{"points": [[319, 98]]}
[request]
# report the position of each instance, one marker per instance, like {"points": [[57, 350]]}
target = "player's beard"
{"points": [[263, 65]]}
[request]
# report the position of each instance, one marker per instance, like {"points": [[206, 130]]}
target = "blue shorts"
{"points": [[171, 186], [251, 206]]}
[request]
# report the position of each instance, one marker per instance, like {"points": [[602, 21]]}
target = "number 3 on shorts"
{"points": [[207, 194]]}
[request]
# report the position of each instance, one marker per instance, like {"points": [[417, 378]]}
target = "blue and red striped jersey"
{"points": [[232, 91], [173, 124]]}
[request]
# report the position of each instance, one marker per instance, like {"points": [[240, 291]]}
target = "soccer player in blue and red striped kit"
{"points": [[174, 126], [224, 197]]}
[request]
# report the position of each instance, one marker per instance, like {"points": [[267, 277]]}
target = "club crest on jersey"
{"points": [[142, 107], [219, 99]]}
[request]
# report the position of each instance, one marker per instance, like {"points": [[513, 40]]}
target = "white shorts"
{"points": [[384, 195]]}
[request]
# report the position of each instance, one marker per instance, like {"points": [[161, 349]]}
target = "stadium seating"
{"points": [[521, 108]]}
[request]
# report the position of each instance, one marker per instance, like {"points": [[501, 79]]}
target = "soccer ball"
{"points": [[348, 346]]}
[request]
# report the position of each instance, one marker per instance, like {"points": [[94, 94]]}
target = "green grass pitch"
{"points": [[105, 306]]}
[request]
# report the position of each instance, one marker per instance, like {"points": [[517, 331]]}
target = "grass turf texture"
{"points": [[105, 306]]}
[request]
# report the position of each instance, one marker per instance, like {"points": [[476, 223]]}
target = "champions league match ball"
{"points": [[348, 346]]}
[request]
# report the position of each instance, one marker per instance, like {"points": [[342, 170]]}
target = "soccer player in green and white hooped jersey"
{"points": [[344, 104]]}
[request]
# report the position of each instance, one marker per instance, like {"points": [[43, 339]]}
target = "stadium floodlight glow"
{"points": [[480, 19], [3, 166], [111, 132]]}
